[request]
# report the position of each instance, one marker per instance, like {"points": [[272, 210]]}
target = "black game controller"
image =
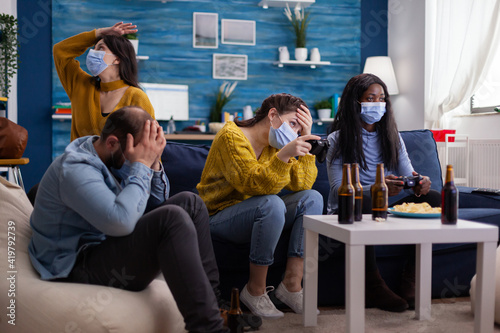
{"points": [[319, 148], [410, 181]]}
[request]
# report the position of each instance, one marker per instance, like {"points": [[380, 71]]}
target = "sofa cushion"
{"points": [[468, 199], [43, 306], [183, 165], [423, 154]]}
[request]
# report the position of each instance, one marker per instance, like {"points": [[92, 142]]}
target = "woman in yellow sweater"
{"points": [[113, 83], [248, 165]]}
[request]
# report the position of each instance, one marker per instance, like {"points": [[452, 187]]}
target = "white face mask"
{"points": [[372, 112], [279, 138]]}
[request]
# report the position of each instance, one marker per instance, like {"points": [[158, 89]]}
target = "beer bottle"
{"points": [[449, 198], [346, 197], [234, 313], [358, 192], [380, 194]]}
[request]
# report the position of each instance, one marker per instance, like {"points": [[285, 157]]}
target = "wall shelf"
{"points": [[190, 137], [282, 3], [61, 116], [321, 121], [312, 64]]}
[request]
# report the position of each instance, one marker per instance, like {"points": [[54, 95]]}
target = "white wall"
{"points": [[406, 47], [477, 126], [10, 7]]}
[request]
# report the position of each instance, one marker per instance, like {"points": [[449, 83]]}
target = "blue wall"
{"points": [[373, 39], [34, 90], [166, 37], [338, 28]]}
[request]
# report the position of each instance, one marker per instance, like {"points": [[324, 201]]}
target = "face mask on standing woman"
{"points": [[95, 62]]}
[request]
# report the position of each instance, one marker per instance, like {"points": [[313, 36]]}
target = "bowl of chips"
{"points": [[418, 210]]}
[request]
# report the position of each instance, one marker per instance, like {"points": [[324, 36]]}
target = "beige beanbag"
{"points": [[34, 305]]}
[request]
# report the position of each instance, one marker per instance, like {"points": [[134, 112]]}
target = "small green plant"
{"points": [[324, 104], [224, 95], [9, 57], [131, 36]]}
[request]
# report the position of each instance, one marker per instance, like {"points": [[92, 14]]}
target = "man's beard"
{"points": [[115, 160]]}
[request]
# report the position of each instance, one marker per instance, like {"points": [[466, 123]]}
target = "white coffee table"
{"points": [[397, 230]]}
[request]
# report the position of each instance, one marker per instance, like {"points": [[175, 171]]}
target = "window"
{"points": [[487, 97]]}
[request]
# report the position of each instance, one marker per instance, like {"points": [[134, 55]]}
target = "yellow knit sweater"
{"points": [[86, 117], [233, 173]]}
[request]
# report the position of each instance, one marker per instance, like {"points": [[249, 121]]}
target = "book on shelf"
{"points": [[62, 108]]}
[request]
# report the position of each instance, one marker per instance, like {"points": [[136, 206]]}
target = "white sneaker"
{"points": [[293, 300], [260, 305]]}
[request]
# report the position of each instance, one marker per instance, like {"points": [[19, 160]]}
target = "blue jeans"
{"points": [[260, 221]]}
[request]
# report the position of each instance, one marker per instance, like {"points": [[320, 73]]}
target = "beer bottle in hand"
{"points": [[346, 197], [380, 194], [234, 313], [449, 198], [358, 192]]}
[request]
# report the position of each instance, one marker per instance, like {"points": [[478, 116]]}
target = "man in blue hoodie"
{"points": [[103, 216]]}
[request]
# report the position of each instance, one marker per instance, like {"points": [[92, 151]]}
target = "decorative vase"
{"points": [[247, 112], [284, 55], [315, 56], [324, 113], [301, 53], [214, 127], [135, 44]]}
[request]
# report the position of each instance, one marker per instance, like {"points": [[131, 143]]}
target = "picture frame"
{"points": [[230, 66], [238, 32], [205, 30]]}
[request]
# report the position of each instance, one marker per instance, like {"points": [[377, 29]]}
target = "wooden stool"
{"points": [[14, 164]]}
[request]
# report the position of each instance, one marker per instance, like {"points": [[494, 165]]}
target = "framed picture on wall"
{"points": [[205, 30], [238, 32], [230, 66]]}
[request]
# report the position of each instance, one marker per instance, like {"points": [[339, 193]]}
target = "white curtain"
{"points": [[462, 38]]}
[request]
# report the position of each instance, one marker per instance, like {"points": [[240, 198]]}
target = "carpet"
{"points": [[446, 316]]}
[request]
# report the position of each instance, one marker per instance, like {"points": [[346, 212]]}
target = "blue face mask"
{"points": [[279, 138], [95, 62], [372, 112]]}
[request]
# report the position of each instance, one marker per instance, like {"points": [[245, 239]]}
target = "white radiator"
{"points": [[483, 165]]}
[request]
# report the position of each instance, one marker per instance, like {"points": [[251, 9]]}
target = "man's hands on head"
{"points": [[150, 147]]}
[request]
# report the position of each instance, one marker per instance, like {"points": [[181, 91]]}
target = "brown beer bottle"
{"points": [[234, 313], [358, 192], [346, 197], [380, 194], [449, 198]]}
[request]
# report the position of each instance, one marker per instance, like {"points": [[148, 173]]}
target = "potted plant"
{"points": [[134, 39], [224, 95], [324, 108], [8, 52], [299, 20]]}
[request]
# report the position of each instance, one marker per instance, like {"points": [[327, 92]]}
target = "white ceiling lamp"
{"points": [[282, 3], [382, 67]]}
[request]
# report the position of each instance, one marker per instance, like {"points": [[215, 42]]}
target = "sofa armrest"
{"points": [[467, 199]]}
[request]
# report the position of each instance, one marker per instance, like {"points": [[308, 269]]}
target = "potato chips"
{"points": [[418, 208]]}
